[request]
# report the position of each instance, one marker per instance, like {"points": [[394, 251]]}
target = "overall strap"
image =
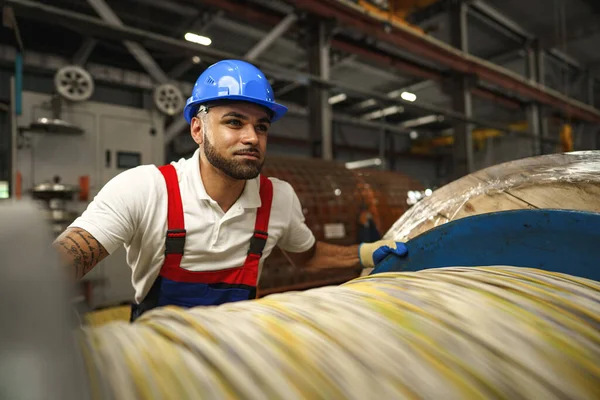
{"points": [[259, 238], [175, 240]]}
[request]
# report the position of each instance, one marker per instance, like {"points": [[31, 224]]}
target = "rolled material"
{"points": [[447, 333], [566, 181]]}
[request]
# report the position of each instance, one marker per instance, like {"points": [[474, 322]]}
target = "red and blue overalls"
{"points": [[180, 287]]}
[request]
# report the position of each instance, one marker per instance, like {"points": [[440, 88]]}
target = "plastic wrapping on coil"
{"points": [[384, 194], [556, 181]]}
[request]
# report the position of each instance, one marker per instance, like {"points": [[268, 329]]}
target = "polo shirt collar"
{"points": [[250, 197]]}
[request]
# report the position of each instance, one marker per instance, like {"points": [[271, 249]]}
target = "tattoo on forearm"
{"points": [[82, 250]]}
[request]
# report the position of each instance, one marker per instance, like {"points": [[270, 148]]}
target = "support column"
{"points": [[382, 148], [461, 94], [533, 109], [540, 67], [319, 109], [391, 152], [12, 163], [589, 85]]}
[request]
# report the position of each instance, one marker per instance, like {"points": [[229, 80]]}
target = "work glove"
{"points": [[371, 254]]}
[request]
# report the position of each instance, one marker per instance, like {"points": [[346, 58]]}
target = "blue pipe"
{"points": [[562, 241]]}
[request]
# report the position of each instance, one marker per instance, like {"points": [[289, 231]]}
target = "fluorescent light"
{"points": [[366, 104], [408, 96], [337, 98], [428, 119], [371, 162], [192, 37], [383, 112]]}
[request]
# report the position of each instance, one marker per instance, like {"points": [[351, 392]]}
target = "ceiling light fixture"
{"points": [[408, 96], [194, 38], [337, 98]]}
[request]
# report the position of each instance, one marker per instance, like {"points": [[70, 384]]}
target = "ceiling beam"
{"points": [[278, 31], [199, 26], [348, 14], [336, 63], [85, 50], [513, 28], [171, 6], [136, 50], [406, 66], [579, 27], [87, 24]]}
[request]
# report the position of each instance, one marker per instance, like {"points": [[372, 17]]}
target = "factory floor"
{"points": [[107, 315]]}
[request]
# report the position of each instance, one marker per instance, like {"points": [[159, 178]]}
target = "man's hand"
{"points": [[371, 254]]}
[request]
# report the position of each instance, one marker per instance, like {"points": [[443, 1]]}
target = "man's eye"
{"points": [[234, 122], [262, 128]]}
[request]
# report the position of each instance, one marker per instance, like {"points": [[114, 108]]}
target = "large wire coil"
{"points": [[446, 333]]}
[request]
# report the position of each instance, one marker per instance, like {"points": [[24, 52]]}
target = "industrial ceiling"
{"points": [[372, 62]]}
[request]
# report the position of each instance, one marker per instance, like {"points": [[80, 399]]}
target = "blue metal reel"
{"points": [[553, 240]]}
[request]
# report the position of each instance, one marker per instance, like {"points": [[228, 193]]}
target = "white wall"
{"points": [[106, 127]]}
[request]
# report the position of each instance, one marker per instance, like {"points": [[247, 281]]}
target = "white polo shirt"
{"points": [[131, 210]]}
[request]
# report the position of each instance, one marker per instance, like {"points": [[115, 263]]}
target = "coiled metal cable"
{"points": [[446, 333]]}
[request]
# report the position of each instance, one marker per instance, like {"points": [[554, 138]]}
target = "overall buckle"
{"points": [[175, 241], [258, 242]]}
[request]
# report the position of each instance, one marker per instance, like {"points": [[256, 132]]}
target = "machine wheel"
{"points": [[74, 83], [168, 99]]}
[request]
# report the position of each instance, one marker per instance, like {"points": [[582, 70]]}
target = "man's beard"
{"points": [[237, 169]]}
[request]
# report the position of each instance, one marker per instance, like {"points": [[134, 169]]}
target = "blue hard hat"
{"points": [[233, 80]]}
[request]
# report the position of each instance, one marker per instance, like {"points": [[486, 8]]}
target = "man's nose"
{"points": [[249, 135]]}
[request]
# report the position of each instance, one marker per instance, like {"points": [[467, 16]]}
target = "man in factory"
{"points": [[197, 230]]}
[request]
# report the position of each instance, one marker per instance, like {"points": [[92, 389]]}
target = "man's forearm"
{"points": [[328, 255], [79, 251]]}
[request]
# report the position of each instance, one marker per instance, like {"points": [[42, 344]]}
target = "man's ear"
{"points": [[196, 130]]}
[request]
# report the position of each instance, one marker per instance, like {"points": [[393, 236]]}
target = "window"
{"points": [[127, 159]]}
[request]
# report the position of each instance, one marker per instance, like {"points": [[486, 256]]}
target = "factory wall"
{"points": [[107, 129], [113, 137], [289, 132]]}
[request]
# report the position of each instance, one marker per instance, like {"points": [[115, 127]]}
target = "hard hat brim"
{"points": [[278, 110]]}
